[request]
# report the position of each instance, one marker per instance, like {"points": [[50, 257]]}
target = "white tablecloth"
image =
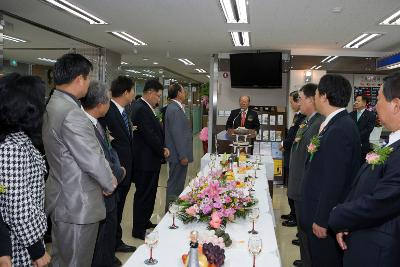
{"points": [[174, 243]]}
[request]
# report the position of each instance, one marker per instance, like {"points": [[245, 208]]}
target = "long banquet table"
{"points": [[174, 243]]}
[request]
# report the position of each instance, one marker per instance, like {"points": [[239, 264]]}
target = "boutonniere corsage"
{"points": [[3, 189], [109, 138], [133, 127], [378, 156], [301, 126], [159, 116], [313, 147]]}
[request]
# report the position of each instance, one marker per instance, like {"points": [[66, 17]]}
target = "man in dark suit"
{"points": [[368, 222], [149, 150], [286, 147], [333, 162], [96, 104], [365, 121], [243, 117], [179, 141], [120, 128], [298, 157]]}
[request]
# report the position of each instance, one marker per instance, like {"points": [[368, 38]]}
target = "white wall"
{"points": [[297, 81], [228, 98]]}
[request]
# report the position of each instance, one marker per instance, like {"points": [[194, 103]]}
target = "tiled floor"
{"points": [[284, 235]]}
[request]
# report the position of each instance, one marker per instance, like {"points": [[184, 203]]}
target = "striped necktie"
{"points": [[126, 120]]}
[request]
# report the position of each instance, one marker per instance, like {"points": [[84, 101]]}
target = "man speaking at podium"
{"points": [[243, 117]]}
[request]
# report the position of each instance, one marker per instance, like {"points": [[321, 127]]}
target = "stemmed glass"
{"points": [[258, 161], [255, 246], [173, 209], [255, 168], [254, 214], [151, 240]]}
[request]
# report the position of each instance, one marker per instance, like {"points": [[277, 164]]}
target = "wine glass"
{"points": [[255, 168], [258, 161], [151, 240], [255, 246], [173, 209], [254, 214]]}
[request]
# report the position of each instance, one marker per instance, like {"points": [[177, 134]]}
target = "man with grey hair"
{"points": [[96, 104]]}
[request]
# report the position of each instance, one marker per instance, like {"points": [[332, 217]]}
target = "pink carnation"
{"points": [[372, 158], [311, 148], [204, 134], [215, 220], [192, 211]]}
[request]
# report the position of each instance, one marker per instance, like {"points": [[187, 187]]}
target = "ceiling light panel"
{"points": [[235, 11], [201, 70], [186, 61], [363, 39], [123, 63], [47, 60], [393, 19], [329, 59], [317, 68], [133, 71], [14, 39], [75, 11], [128, 37], [240, 38]]}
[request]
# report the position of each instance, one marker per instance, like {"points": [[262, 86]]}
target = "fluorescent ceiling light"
{"points": [[76, 11], [127, 37], [208, 76], [155, 63], [201, 70], [362, 40], [14, 39], [317, 68], [123, 63], [392, 20], [148, 75], [236, 13], [145, 59], [47, 60], [134, 71], [148, 71], [329, 59], [240, 38], [313, 67], [186, 61]]}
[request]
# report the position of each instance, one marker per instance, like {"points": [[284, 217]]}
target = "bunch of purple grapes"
{"points": [[214, 254]]}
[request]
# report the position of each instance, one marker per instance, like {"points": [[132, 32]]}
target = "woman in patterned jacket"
{"points": [[22, 168]]}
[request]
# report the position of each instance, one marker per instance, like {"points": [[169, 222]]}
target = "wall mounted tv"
{"points": [[256, 70]]}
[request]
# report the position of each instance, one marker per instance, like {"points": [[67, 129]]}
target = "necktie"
{"points": [[243, 120], [126, 120], [101, 130], [358, 115]]}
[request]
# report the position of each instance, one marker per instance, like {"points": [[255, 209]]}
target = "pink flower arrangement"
{"points": [[204, 134], [215, 200]]}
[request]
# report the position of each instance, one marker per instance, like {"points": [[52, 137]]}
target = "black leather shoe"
{"points": [[296, 242], [116, 262], [138, 236], [289, 223], [298, 263], [287, 217], [125, 248], [151, 225]]}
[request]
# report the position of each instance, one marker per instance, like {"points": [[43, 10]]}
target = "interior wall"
{"points": [[297, 81], [228, 97]]}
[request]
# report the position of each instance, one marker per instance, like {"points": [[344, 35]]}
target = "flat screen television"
{"points": [[256, 70]]}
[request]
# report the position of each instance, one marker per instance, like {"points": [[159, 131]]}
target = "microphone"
{"points": [[233, 122]]}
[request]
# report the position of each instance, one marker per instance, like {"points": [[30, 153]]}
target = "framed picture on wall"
{"points": [[272, 119]]}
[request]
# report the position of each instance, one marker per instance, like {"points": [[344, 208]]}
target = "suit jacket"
{"points": [[365, 125], [112, 158], [371, 211], [5, 245], [299, 155], [251, 122], [290, 136], [148, 138], [122, 142], [79, 171], [331, 171], [178, 134]]}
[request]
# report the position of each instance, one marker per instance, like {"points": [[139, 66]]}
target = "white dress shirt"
{"points": [[91, 118], [394, 137], [152, 109], [329, 117], [120, 108]]}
